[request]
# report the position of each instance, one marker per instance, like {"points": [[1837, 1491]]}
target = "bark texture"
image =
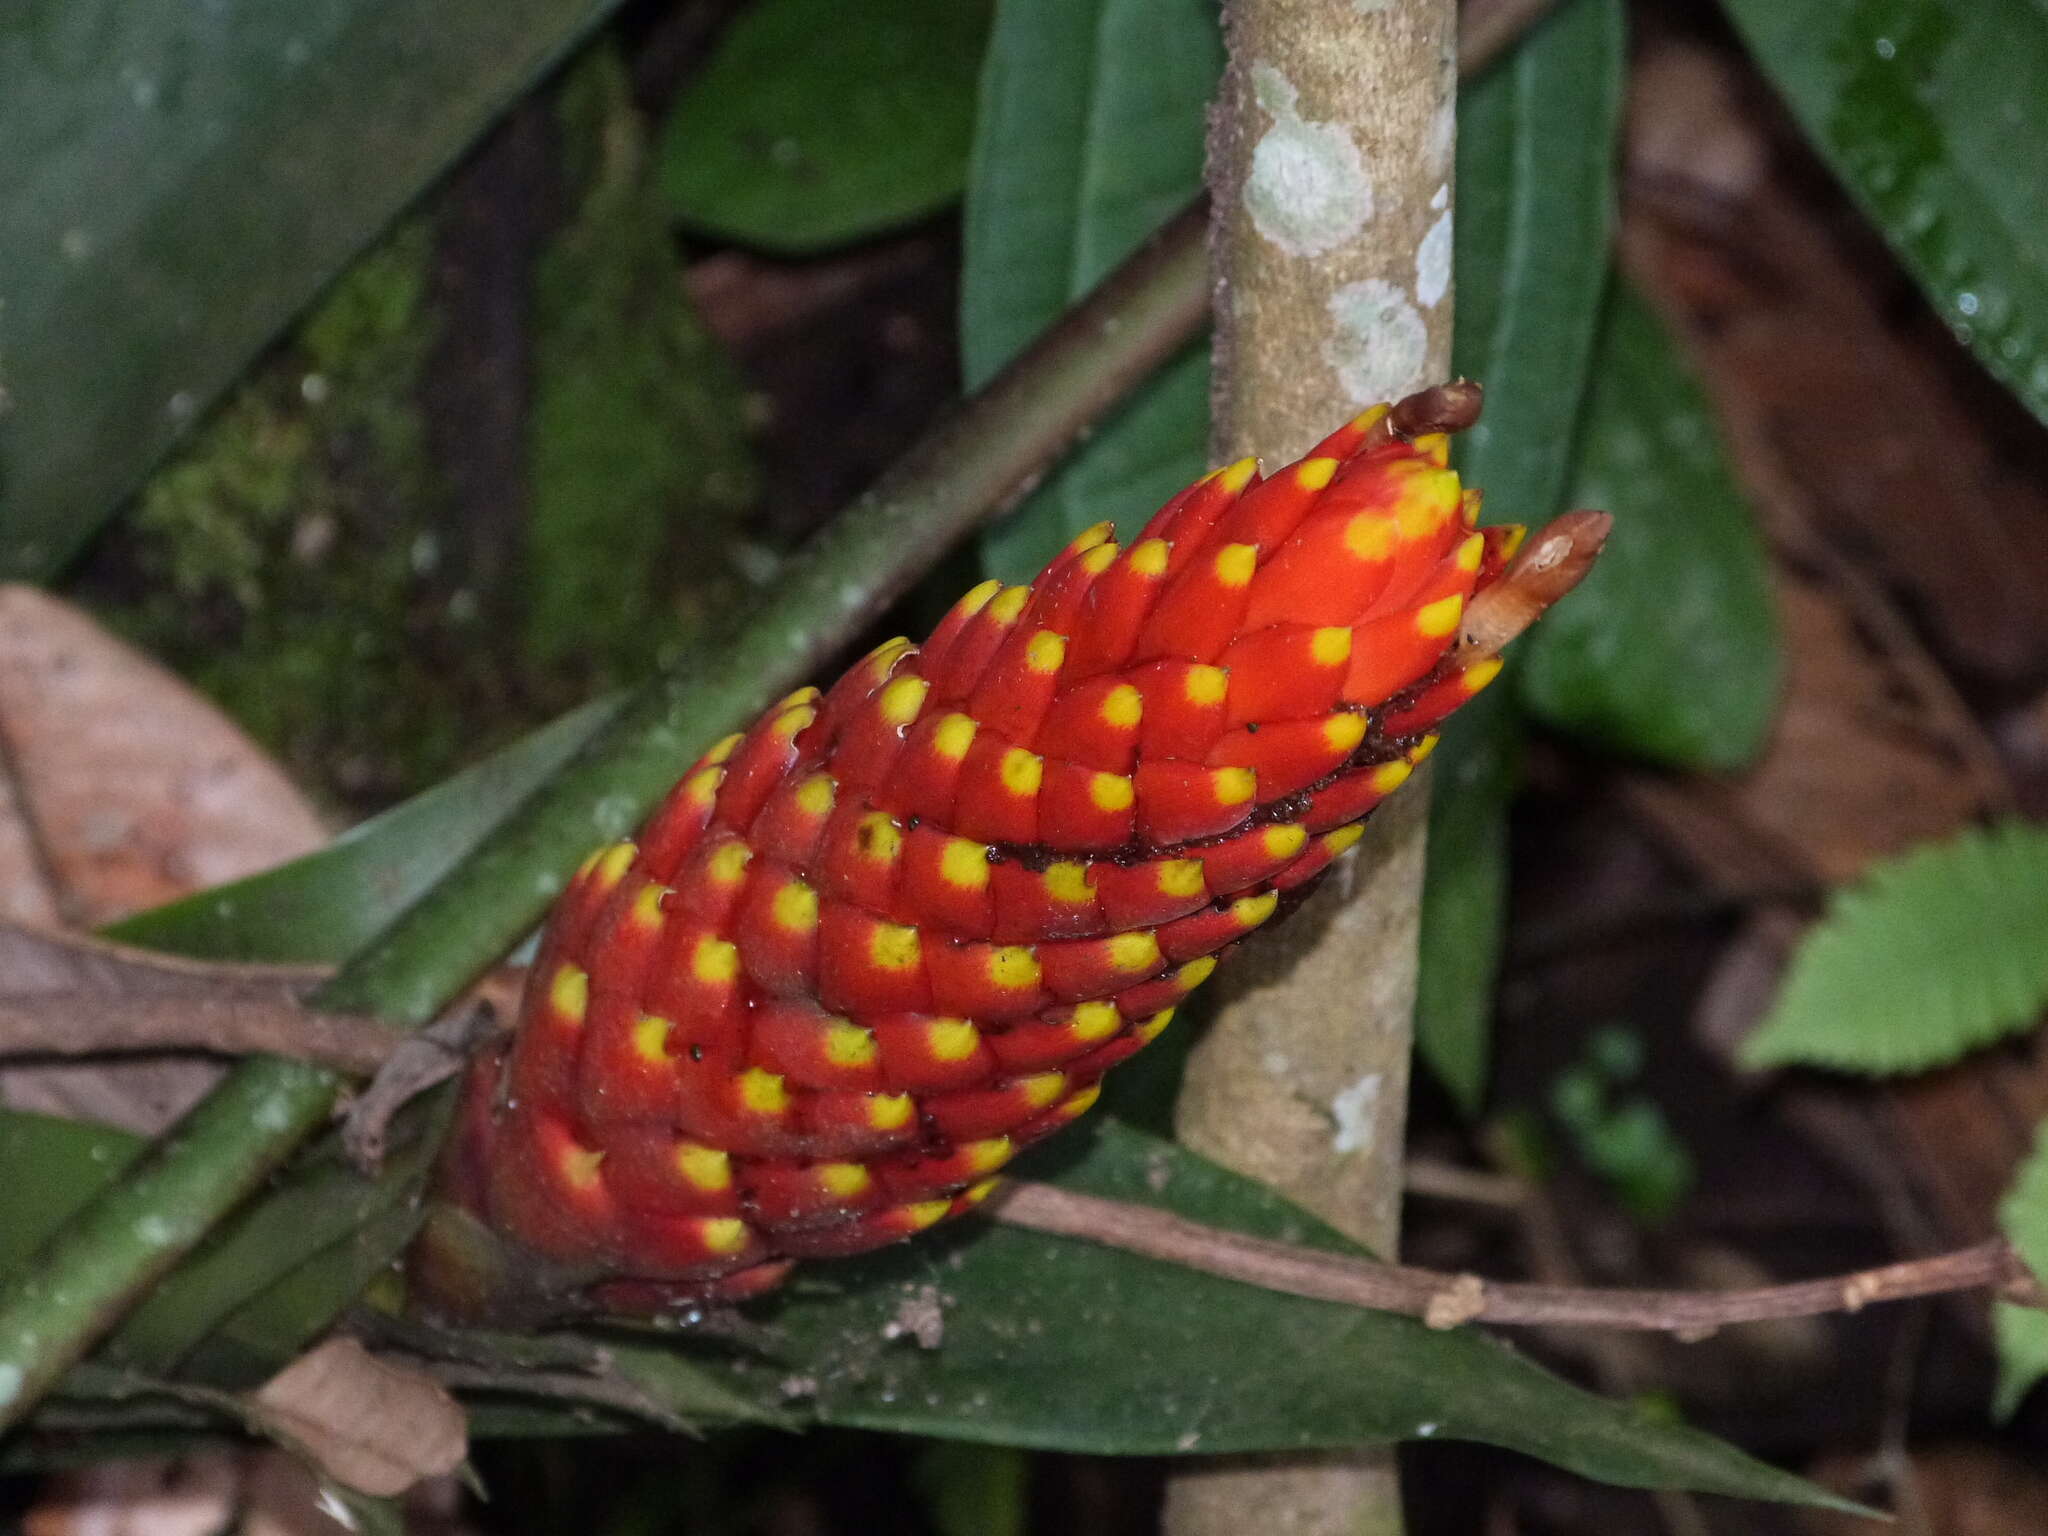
{"points": [[1330, 163]]}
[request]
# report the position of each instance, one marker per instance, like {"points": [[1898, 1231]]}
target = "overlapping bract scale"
{"points": [[870, 949]]}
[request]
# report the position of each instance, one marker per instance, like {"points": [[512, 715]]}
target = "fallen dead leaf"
{"points": [[375, 1426], [120, 788], [1952, 1491]]}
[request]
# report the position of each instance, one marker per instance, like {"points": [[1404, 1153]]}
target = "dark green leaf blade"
{"points": [[815, 124], [1067, 1345], [321, 907], [2023, 1332], [54, 1167], [1536, 149], [1089, 138], [1465, 892], [1536, 145], [1932, 955], [1670, 648], [180, 180], [1922, 107]]}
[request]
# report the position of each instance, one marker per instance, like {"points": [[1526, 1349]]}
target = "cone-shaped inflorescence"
{"points": [[867, 951]]}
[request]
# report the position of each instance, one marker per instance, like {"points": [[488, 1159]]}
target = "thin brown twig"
{"points": [[91, 1022], [1445, 1300]]}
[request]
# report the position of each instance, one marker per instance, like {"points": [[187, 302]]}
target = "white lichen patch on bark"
{"points": [[1308, 191], [1377, 341], [1433, 262], [1356, 1111]]}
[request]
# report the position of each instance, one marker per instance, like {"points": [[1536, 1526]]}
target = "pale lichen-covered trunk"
{"points": [[1330, 164]]}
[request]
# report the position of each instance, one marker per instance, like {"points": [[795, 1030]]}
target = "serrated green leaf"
{"points": [[1931, 955], [320, 908], [637, 449], [1670, 648], [815, 124], [1924, 108], [1089, 138], [1536, 153], [1464, 894], [180, 180], [2023, 1331], [1065, 1345]]}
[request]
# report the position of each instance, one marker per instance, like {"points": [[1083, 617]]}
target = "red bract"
{"points": [[866, 952]]}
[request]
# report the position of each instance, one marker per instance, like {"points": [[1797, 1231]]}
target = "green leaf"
{"points": [[53, 1168], [638, 452], [1670, 648], [1066, 1345], [1924, 108], [2023, 1332], [2022, 1337], [322, 907], [815, 124], [180, 180], [1536, 152], [1464, 894], [1931, 955], [1089, 138]]}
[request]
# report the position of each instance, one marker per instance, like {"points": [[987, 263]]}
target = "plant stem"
{"points": [[103, 1260], [1445, 1300], [1330, 163]]}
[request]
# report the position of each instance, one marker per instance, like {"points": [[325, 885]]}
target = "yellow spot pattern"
{"points": [[964, 863], [895, 947]]}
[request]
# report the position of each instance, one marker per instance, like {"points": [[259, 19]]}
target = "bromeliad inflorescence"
{"points": [[868, 950]]}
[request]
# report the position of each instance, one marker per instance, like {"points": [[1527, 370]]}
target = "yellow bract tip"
{"points": [[1095, 1021], [1099, 559], [1111, 792], [1009, 604], [849, 1045], [1330, 647], [796, 907], [989, 1155], [817, 794], [580, 1164], [878, 837], [1045, 651], [964, 863], [1235, 564], [1254, 910], [1369, 537], [1235, 477], [1067, 883], [650, 1039], [1233, 786], [1206, 685], [1480, 673], [895, 947], [705, 1168], [954, 736], [1439, 618], [1089, 538], [951, 1039], [728, 864], [569, 992], [1022, 771], [842, 1181], [1155, 1026], [1013, 967], [1285, 839], [1343, 733], [890, 1111], [976, 597], [1150, 557], [1389, 777], [1471, 551], [724, 1234], [715, 961], [1423, 748], [723, 749], [901, 700], [1343, 837], [1123, 707], [1314, 474], [1042, 1088], [1134, 951], [1195, 972], [1181, 878], [763, 1093]]}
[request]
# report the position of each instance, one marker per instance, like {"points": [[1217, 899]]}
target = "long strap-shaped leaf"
{"points": [[94, 1270]]}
